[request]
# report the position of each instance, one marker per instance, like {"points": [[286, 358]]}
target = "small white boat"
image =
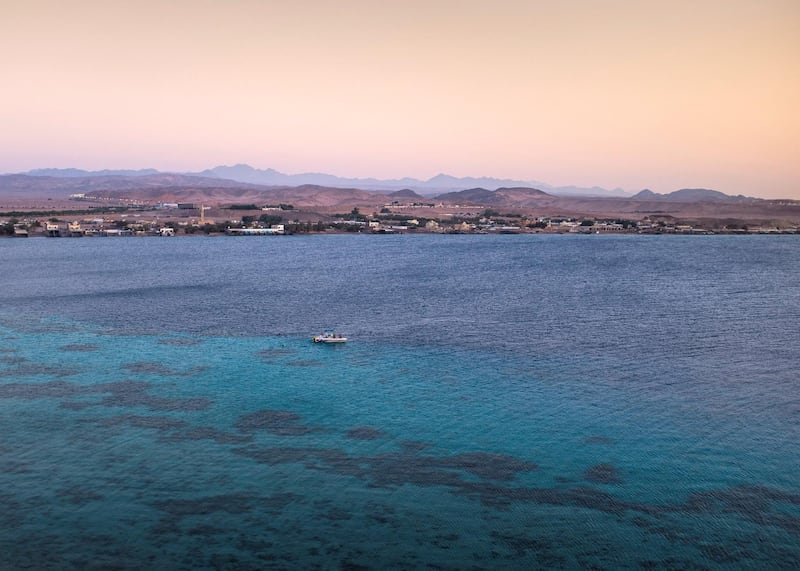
{"points": [[329, 337]]}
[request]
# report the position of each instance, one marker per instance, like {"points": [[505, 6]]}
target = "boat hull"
{"points": [[324, 339]]}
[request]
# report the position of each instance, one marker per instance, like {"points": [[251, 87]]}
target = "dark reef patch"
{"points": [[79, 496], [365, 433], [206, 530], [277, 502], [275, 353], [121, 393], [725, 554], [752, 502], [179, 342], [598, 439], [381, 513], [394, 470], [173, 430], [276, 456], [160, 423], [278, 422], [348, 565], [74, 405], [13, 514], [151, 368], [482, 475], [398, 469], [413, 445], [227, 503], [304, 363], [205, 433], [79, 348], [134, 393], [177, 509], [674, 564], [488, 465], [445, 540], [15, 468], [584, 497], [337, 514], [52, 389], [522, 545], [34, 370], [12, 360], [602, 474]]}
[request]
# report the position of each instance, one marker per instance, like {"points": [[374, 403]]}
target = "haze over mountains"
{"points": [[27, 185], [433, 186], [241, 183]]}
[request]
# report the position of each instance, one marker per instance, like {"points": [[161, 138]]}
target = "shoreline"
{"points": [[39, 235]]}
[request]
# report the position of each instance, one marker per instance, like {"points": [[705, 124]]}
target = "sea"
{"points": [[502, 402]]}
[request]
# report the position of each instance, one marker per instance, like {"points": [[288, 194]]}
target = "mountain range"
{"points": [[692, 195], [54, 186], [242, 182], [433, 186]]}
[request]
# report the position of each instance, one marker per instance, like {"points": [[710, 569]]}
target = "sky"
{"points": [[647, 94]]}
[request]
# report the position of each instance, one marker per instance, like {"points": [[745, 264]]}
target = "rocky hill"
{"points": [[517, 196], [692, 195]]}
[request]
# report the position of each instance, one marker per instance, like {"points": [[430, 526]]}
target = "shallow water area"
{"points": [[606, 402]]}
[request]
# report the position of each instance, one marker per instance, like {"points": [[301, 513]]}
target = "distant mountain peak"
{"points": [[502, 196], [75, 173], [405, 193], [691, 195]]}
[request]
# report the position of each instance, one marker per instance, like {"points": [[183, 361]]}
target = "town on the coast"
{"points": [[172, 219], [136, 218]]}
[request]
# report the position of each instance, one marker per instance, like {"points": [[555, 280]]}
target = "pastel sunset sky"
{"points": [[632, 94]]}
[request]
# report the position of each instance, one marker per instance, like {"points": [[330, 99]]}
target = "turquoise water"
{"points": [[503, 402]]}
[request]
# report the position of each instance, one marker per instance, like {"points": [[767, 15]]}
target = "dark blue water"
{"points": [[504, 402]]}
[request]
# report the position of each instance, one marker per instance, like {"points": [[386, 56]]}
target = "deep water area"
{"points": [[503, 402]]}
